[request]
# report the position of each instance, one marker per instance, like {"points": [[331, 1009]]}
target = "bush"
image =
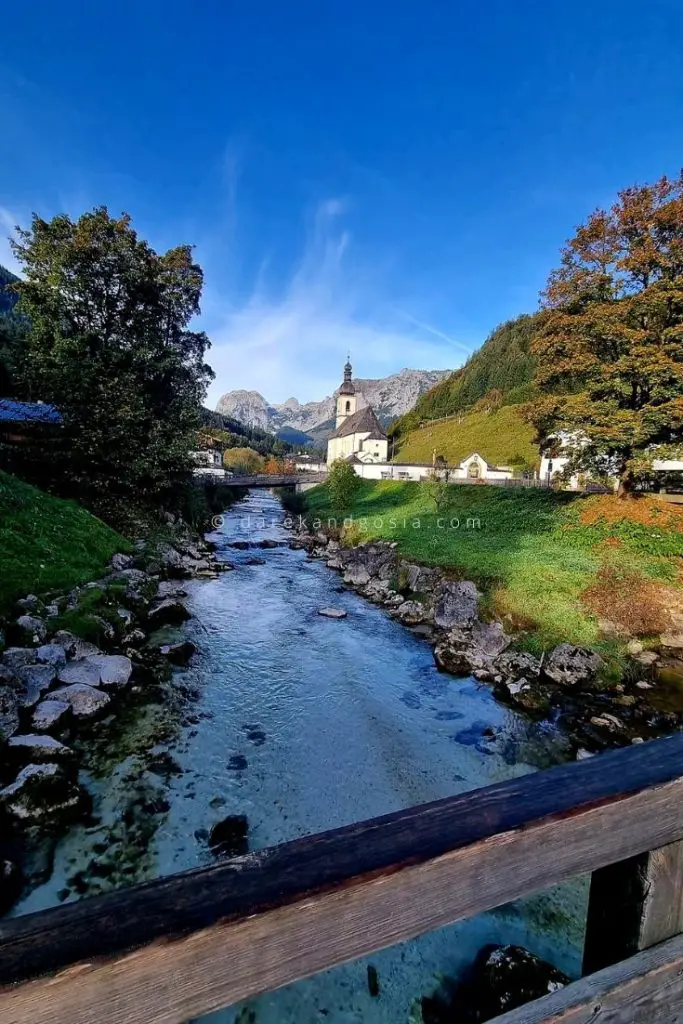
{"points": [[343, 483]]}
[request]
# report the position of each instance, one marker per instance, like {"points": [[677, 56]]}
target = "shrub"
{"points": [[342, 483]]}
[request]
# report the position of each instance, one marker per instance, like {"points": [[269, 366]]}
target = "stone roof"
{"points": [[363, 421]]}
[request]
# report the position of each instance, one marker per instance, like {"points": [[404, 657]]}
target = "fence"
{"points": [[176, 948]]}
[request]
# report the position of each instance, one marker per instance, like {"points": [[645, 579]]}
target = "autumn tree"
{"points": [[109, 343], [244, 461], [610, 349], [273, 466]]}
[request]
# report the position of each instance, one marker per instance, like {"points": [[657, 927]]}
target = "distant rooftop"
{"points": [[28, 412]]}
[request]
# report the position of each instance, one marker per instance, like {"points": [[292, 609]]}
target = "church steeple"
{"points": [[346, 398]]}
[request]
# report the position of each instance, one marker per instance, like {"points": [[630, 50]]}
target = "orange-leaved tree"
{"points": [[610, 349]]}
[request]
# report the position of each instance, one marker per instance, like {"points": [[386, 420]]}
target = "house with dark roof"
{"points": [[24, 421], [358, 435]]}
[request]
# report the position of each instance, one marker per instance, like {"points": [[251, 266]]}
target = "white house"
{"points": [[309, 464], [474, 468], [358, 435], [208, 462]]}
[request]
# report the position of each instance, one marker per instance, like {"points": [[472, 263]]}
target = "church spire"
{"points": [[347, 387]]}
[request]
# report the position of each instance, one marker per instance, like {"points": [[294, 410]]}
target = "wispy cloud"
{"points": [[296, 344]]}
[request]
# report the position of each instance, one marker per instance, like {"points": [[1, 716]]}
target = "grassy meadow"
{"points": [[47, 543], [591, 570], [501, 437]]}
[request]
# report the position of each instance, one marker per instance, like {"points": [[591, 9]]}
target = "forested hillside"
{"points": [[503, 364], [238, 434]]}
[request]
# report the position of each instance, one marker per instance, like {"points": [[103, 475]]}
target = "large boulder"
{"points": [[167, 612], [411, 613], [420, 579], [571, 666], [356, 574], [35, 749], [41, 794], [529, 696], [120, 561], [178, 654], [110, 671], [51, 654], [30, 629], [502, 978], [17, 657], [32, 682], [50, 714], [518, 665], [73, 645], [172, 562], [85, 701], [456, 604], [9, 712]]}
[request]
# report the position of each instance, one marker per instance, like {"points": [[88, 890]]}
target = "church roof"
{"points": [[363, 421]]}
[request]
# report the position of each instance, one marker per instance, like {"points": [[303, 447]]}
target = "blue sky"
{"points": [[391, 177]]}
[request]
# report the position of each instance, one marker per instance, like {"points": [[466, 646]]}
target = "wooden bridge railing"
{"points": [[274, 479], [176, 948]]}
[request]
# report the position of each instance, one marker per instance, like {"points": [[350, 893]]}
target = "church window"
{"points": [[348, 407]]}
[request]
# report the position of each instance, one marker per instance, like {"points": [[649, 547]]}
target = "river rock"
{"points": [[111, 671], [411, 613], [228, 838], [120, 561], [180, 653], [518, 665], [51, 654], [333, 613], [524, 694], [17, 657], [11, 884], [502, 978], [28, 604], [172, 562], [168, 612], [73, 645], [422, 580], [41, 793], [34, 680], [85, 701], [31, 629], [170, 588], [9, 712], [49, 714], [571, 666], [38, 749], [356, 574], [456, 604]]}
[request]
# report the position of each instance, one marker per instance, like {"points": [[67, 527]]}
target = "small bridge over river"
{"points": [[275, 480]]}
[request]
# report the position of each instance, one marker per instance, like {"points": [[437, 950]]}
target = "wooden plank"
{"points": [[646, 989], [269, 918], [633, 905]]}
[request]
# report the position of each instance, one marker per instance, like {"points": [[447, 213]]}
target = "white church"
{"points": [[358, 436]]}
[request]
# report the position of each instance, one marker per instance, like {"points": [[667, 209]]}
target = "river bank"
{"points": [[299, 723], [620, 689]]}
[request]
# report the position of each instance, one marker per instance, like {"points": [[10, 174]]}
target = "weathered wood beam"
{"points": [[646, 989], [212, 937], [633, 905]]}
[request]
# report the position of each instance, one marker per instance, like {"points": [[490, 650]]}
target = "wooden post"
{"points": [[633, 905]]}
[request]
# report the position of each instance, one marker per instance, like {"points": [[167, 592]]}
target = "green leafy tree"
{"points": [[436, 490], [109, 344], [343, 484], [610, 350]]}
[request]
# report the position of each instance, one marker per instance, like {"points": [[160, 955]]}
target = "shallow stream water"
{"points": [[305, 723]]}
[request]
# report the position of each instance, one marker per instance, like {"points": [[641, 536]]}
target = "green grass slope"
{"points": [[47, 543], [504, 363], [556, 564], [501, 437]]}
